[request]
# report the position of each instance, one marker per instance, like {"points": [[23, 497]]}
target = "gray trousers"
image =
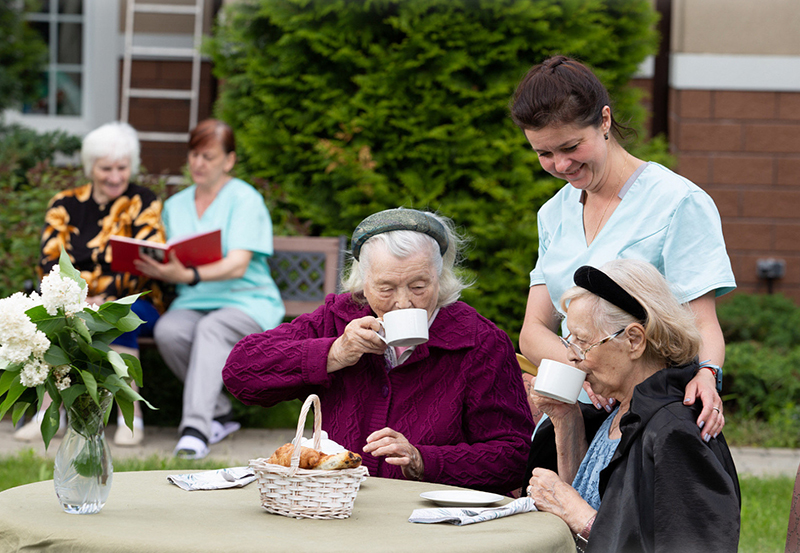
{"points": [[195, 346]]}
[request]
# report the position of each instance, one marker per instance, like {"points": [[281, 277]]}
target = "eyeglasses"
{"points": [[581, 352]]}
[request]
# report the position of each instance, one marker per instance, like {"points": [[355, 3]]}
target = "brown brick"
{"points": [[787, 238], [727, 201], [143, 70], [694, 104], [747, 236], [706, 137], [745, 272], [788, 171], [744, 105], [771, 203], [789, 105], [696, 168], [772, 138], [741, 170]]}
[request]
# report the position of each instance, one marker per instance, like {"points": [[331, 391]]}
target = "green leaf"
{"points": [[126, 407], [129, 322], [79, 326], [7, 378], [19, 409], [126, 391], [91, 385], [14, 391], [93, 321], [68, 395], [67, 270], [120, 367], [134, 368], [56, 356], [51, 422]]}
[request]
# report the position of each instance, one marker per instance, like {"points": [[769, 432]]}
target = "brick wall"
{"points": [[158, 115], [743, 148]]}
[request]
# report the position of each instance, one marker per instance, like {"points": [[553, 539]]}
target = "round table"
{"points": [[146, 513]]}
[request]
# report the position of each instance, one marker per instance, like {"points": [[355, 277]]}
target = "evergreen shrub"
{"points": [[347, 107]]}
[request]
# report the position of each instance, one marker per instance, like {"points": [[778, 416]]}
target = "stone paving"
{"points": [[250, 443]]}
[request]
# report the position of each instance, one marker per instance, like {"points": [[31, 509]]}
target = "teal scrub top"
{"points": [[240, 213], [663, 218]]}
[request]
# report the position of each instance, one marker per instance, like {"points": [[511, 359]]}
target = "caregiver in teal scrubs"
{"points": [[218, 303], [615, 206]]}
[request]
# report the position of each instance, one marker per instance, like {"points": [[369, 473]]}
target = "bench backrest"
{"points": [[306, 269]]}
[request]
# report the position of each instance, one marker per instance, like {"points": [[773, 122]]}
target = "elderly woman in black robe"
{"points": [[641, 478]]}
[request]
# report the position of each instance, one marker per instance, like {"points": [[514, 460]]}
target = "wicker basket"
{"points": [[301, 493]]}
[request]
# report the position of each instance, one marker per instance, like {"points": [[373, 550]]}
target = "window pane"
{"points": [[70, 6], [70, 43], [39, 106], [68, 93], [43, 28]]}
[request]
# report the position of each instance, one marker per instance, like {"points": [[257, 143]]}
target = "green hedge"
{"points": [[349, 107], [762, 369]]}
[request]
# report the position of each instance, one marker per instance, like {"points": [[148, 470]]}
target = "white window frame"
{"points": [[100, 81]]}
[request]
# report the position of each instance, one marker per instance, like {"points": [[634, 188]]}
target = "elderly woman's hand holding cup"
{"points": [[360, 336]]}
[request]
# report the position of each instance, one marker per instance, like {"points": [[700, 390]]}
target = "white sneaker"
{"points": [[125, 437], [32, 430], [190, 447]]}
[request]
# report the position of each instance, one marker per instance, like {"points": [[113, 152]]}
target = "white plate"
{"points": [[459, 498]]}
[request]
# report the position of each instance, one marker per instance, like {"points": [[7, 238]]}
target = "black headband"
{"points": [[600, 284], [398, 219]]}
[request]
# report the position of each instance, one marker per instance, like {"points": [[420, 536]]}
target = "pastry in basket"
{"points": [[314, 460], [283, 456]]}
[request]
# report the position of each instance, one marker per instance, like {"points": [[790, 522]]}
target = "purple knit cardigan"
{"points": [[459, 398]]}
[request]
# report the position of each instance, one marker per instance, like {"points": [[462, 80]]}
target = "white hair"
{"points": [[405, 243], [115, 141]]}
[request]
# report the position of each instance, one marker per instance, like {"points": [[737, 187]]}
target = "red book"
{"points": [[192, 251]]}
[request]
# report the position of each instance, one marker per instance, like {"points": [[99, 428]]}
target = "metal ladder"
{"points": [[131, 51]]}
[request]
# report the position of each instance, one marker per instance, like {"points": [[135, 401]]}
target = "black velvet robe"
{"points": [[665, 489]]}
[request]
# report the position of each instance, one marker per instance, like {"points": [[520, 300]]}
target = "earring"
{"points": [[606, 136]]}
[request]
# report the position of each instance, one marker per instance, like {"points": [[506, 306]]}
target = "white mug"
{"points": [[559, 381], [405, 327]]}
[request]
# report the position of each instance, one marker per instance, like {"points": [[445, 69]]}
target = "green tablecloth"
{"points": [[146, 513]]}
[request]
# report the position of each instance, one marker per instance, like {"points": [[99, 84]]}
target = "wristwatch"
{"points": [[717, 370], [196, 278]]}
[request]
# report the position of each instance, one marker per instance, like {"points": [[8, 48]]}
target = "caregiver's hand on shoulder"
{"points": [[359, 337]]}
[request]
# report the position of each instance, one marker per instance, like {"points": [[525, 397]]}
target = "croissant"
{"points": [[283, 456], [314, 460]]}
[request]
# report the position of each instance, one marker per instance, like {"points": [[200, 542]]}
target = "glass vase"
{"points": [[83, 469]]}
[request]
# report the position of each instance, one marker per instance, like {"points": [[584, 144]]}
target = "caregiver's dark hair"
{"points": [[561, 91]]}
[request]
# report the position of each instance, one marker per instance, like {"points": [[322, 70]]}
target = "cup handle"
{"points": [[383, 329]]}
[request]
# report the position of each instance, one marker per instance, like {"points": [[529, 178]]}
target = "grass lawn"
{"points": [[765, 501]]}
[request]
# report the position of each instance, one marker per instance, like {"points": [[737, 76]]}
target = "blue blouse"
{"points": [[599, 454]]}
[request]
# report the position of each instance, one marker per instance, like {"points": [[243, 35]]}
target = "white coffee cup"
{"points": [[405, 327], [559, 381]]}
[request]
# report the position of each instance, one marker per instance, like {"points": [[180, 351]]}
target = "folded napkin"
{"points": [[235, 477], [463, 516]]}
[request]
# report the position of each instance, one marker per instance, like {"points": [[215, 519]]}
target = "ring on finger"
{"points": [[717, 410], [529, 491]]}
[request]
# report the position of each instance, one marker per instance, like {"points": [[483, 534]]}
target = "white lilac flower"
{"points": [[59, 292], [34, 373], [13, 320]]}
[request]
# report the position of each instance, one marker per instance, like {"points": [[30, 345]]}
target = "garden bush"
{"points": [[349, 107], [761, 386], [22, 52]]}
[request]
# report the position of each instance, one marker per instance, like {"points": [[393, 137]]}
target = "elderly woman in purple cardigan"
{"points": [[452, 410]]}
